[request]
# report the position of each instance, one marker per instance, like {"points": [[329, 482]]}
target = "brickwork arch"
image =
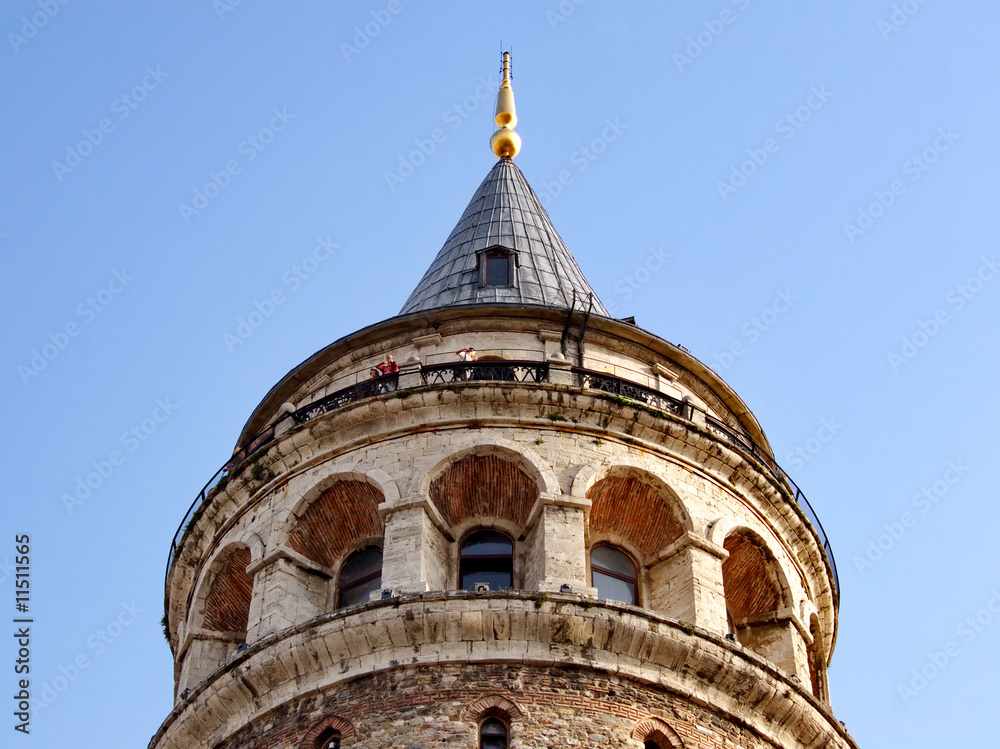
{"points": [[753, 579], [222, 603], [484, 486], [655, 729], [329, 722], [720, 529], [288, 518], [493, 705], [634, 505], [650, 470], [760, 606], [337, 516], [530, 462]]}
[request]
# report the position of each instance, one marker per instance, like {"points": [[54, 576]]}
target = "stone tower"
{"points": [[537, 527]]}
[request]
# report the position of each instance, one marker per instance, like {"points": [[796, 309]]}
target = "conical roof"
{"points": [[504, 214]]}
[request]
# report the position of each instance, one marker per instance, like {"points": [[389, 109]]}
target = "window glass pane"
{"points": [[487, 557], [497, 579], [486, 543], [361, 575], [497, 269], [493, 727], [328, 740], [493, 735], [359, 593], [361, 566], [612, 560], [612, 589]]}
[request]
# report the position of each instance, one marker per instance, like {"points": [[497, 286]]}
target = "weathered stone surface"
{"points": [[554, 665]]}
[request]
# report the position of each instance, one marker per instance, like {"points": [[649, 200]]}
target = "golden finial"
{"points": [[505, 142]]}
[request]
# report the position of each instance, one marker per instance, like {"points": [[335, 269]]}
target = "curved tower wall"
{"points": [[736, 616]]}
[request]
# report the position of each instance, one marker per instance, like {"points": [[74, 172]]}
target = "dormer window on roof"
{"points": [[497, 266], [504, 214]]}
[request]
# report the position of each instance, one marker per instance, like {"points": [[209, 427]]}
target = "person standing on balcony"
{"points": [[467, 354], [388, 365], [386, 368]]}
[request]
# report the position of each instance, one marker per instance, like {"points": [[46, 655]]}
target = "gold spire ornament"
{"points": [[505, 142]]}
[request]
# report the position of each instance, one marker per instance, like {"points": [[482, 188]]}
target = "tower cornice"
{"points": [[527, 629]]}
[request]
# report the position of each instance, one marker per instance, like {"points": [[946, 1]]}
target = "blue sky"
{"points": [[814, 182]]}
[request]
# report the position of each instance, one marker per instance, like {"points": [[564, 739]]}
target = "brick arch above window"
{"points": [[226, 605], [656, 729], [636, 508], [484, 486], [751, 576], [344, 514], [494, 705], [530, 462], [328, 722]]}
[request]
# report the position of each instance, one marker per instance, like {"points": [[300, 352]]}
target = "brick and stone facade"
{"points": [[720, 546], [733, 616]]}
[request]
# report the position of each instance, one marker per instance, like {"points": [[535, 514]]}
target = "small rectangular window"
{"points": [[497, 268]]}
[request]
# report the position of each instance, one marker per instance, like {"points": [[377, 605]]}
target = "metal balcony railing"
{"points": [[632, 391], [479, 371]]}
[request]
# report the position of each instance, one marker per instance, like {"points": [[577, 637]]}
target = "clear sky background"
{"points": [[846, 285]]}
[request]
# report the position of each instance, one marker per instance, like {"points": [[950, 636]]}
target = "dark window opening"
{"points": [[329, 739], [613, 573], [361, 575], [497, 268], [486, 557], [657, 740], [493, 734]]}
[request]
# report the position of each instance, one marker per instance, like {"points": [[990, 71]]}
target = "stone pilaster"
{"points": [[203, 651], [777, 637], [554, 551], [560, 370], [685, 582], [416, 555], [287, 589]]}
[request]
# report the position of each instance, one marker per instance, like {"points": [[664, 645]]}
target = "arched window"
{"points": [[613, 573], [655, 734], [493, 734], [486, 556], [329, 739], [361, 575]]}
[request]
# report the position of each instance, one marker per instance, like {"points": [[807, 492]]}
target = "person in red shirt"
{"points": [[388, 365]]}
